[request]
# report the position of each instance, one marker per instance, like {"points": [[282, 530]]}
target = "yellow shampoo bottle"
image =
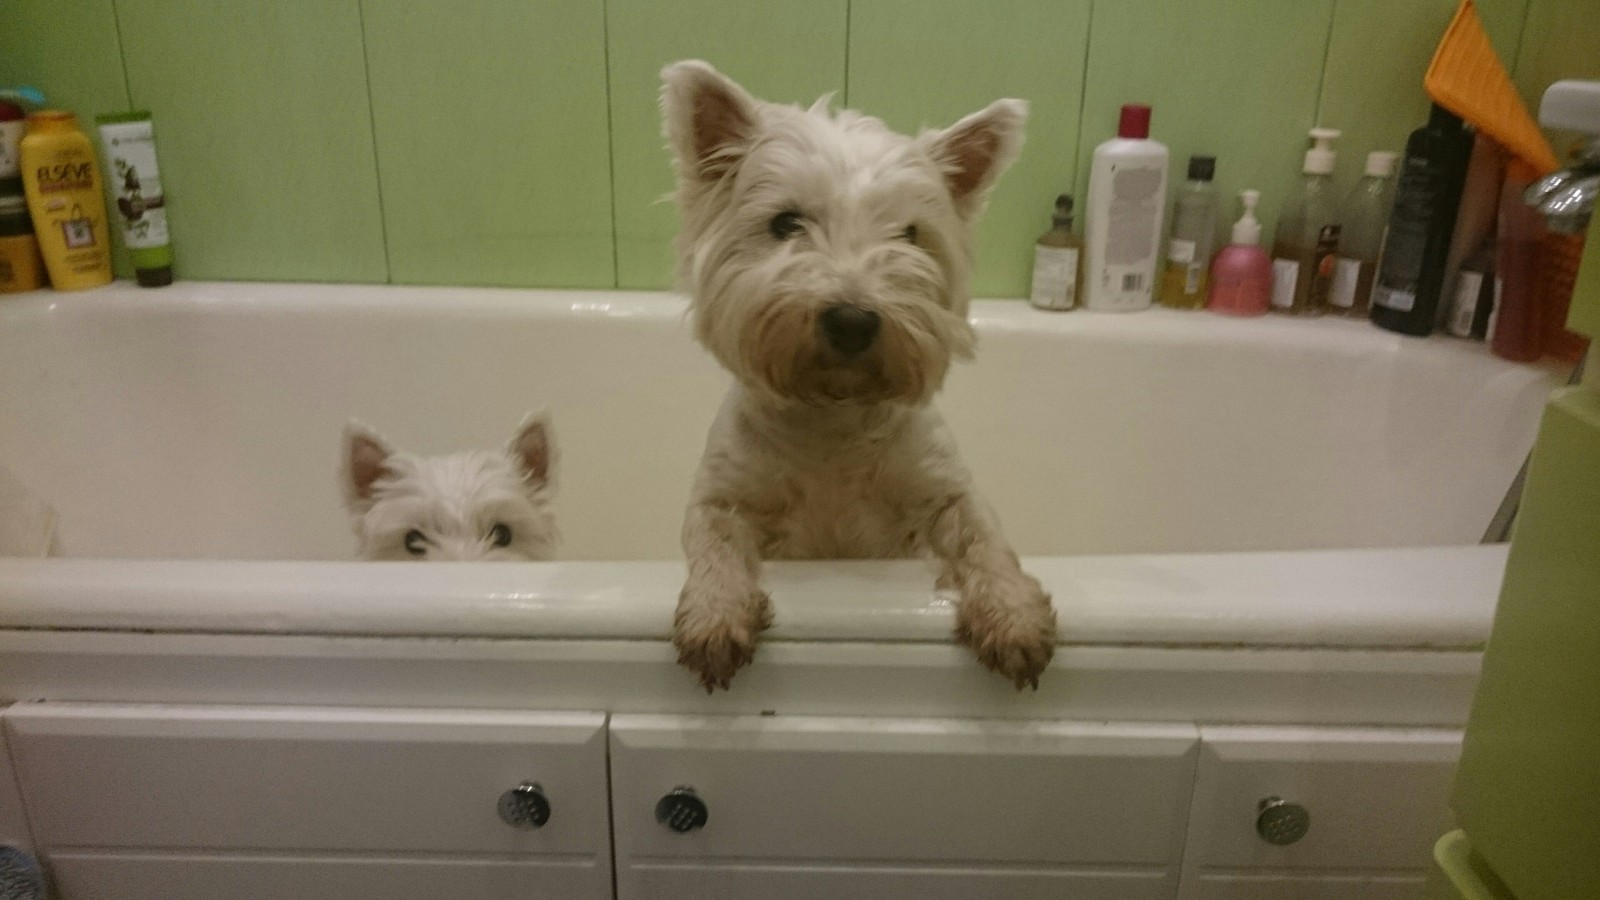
{"points": [[62, 182]]}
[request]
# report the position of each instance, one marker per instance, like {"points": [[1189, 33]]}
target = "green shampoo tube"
{"points": [[129, 144]]}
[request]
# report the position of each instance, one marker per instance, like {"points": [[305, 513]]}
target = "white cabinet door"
{"points": [[801, 807], [153, 802], [1376, 801]]}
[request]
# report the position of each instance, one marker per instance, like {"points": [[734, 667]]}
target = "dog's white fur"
{"points": [[476, 505], [819, 453]]}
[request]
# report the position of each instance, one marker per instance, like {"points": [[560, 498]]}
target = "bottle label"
{"points": [[1494, 309], [1285, 274], [1464, 305], [1055, 277], [1393, 298], [10, 137], [1180, 251], [1193, 277], [1346, 273], [140, 204]]}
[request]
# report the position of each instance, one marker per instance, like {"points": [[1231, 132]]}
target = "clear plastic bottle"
{"points": [[1057, 266], [1306, 247], [1366, 212], [1194, 229]]}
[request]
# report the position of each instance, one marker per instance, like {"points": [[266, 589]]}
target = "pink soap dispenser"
{"points": [[1241, 276]]}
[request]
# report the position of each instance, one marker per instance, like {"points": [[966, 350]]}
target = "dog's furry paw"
{"points": [[1012, 628], [715, 636]]}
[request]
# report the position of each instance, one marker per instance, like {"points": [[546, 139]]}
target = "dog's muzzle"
{"points": [[850, 329]]}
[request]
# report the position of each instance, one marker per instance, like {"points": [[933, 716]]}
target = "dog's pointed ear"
{"points": [[533, 449], [362, 461], [976, 150], [707, 118]]}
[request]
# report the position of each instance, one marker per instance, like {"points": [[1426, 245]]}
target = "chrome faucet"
{"points": [[1566, 198]]}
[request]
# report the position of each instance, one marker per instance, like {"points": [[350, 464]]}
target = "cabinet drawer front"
{"points": [[355, 780], [806, 883], [948, 791], [1377, 798], [130, 876]]}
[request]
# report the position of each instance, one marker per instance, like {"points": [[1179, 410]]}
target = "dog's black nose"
{"points": [[850, 329]]}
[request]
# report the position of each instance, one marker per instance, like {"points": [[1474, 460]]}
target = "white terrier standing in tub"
{"points": [[827, 259], [477, 505]]}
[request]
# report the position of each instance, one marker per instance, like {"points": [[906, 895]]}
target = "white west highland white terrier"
{"points": [[827, 258], [477, 505]]}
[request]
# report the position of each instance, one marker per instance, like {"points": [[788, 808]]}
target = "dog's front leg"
{"points": [[722, 610], [1003, 614]]}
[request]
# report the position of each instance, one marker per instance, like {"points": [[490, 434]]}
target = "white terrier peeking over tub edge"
{"points": [[827, 259]]}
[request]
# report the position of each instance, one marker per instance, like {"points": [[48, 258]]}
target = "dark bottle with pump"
{"points": [[1411, 276]]}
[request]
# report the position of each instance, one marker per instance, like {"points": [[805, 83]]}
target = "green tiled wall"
{"points": [[513, 143]]}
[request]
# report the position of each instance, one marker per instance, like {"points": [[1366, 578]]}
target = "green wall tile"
{"points": [[1561, 39], [1377, 55], [265, 135], [790, 52], [919, 63], [66, 48], [1234, 78], [493, 144]]}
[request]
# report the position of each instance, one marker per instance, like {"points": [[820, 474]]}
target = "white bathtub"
{"points": [[1207, 498]]}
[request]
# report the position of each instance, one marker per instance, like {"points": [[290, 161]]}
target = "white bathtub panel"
{"points": [[203, 420], [1239, 684]]}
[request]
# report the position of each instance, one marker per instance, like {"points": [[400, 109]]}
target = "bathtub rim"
{"points": [[1405, 598]]}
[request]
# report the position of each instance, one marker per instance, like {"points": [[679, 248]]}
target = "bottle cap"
{"points": [[1062, 216], [51, 120], [1380, 163], [1202, 168], [1135, 121], [1247, 230], [1320, 158]]}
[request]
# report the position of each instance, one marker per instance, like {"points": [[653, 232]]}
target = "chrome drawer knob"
{"points": [[682, 810], [1280, 822], [525, 806]]}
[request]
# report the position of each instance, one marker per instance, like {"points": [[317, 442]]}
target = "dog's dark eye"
{"points": [[416, 542], [786, 225], [500, 535], [909, 235]]}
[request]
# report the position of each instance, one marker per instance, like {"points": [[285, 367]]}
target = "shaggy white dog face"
{"points": [[828, 256], [477, 505]]}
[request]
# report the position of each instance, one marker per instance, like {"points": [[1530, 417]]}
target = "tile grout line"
{"points": [[611, 146], [122, 55], [1516, 48], [1083, 99], [1327, 53], [849, 10], [372, 127]]}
